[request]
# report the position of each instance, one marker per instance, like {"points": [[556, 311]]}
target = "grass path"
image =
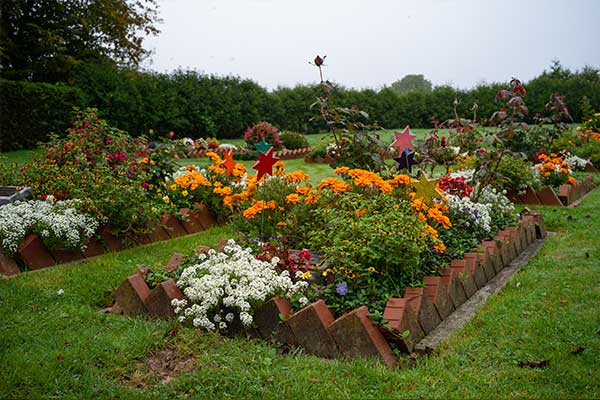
{"points": [[60, 346]]}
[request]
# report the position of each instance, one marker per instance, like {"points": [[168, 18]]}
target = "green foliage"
{"points": [[374, 245], [101, 166], [293, 140], [29, 112], [515, 173], [587, 112], [44, 40], [195, 105], [411, 83]]}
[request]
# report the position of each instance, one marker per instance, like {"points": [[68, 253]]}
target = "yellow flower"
{"points": [[306, 275], [173, 187], [166, 199], [184, 193]]}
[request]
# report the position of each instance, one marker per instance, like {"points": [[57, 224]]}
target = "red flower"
{"points": [[319, 61]]}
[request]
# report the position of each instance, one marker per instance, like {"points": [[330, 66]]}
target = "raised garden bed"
{"points": [[314, 328], [282, 154], [567, 194], [33, 254]]}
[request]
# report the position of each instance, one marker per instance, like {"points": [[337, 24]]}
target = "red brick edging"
{"points": [[567, 194], [33, 254], [409, 318]]}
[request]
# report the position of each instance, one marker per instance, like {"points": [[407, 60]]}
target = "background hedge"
{"points": [[30, 111], [198, 105]]}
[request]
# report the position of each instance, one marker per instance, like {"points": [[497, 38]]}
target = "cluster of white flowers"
{"points": [[232, 281], [576, 163], [501, 207], [463, 173], [476, 215], [227, 147], [332, 149], [53, 220]]}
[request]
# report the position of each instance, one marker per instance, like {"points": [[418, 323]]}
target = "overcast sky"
{"points": [[374, 43]]}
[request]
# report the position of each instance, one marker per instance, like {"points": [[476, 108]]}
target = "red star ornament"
{"points": [[265, 163], [403, 140], [228, 162]]}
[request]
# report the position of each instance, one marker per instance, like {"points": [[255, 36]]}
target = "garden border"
{"points": [[567, 194], [409, 319], [34, 255]]}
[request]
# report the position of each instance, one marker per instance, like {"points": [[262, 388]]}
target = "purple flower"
{"points": [[341, 288]]}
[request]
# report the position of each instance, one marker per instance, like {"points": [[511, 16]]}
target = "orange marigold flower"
{"points": [[438, 217], [398, 180], [341, 170], [431, 231], [216, 169], [295, 177], [281, 223], [334, 184], [572, 180], [214, 157], [439, 248], [312, 198], [225, 191], [303, 190], [292, 198]]}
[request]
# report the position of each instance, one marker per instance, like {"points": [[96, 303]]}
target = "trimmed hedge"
{"points": [[29, 112], [198, 105]]}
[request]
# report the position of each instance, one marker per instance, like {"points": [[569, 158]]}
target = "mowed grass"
{"points": [[61, 346]]}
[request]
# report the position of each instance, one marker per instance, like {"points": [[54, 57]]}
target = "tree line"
{"points": [[60, 54]]}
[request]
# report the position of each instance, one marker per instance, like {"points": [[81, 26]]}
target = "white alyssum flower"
{"points": [[227, 147], [576, 163], [476, 215], [54, 221], [232, 282], [463, 173], [501, 208]]}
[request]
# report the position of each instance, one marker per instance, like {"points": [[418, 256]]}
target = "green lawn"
{"points": [[60, 346]]}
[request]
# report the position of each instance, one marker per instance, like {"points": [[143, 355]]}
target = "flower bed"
{"points": [[567, 193], [33, 251], [313, 327]]}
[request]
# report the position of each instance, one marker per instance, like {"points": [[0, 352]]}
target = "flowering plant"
{"points": [[515, 173], [58, 223], [455, 185], [223, 289], [553, 170], [260, 131]]}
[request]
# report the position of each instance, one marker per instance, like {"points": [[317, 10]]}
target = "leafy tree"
{"points": [[42, 40], [411, 83]]}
